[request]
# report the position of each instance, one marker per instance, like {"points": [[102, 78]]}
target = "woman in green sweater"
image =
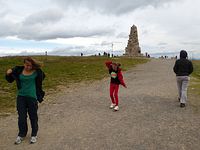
{"points": [[29, 79]]}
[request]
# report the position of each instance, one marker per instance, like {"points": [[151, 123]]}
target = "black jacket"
{"points": [[114, 80], [16, 71], [183, 67]]}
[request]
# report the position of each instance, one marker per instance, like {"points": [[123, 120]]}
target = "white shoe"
{"points": [[33, 139], [116, 108], [18, 140], [112, 106]]}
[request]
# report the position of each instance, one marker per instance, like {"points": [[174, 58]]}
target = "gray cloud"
{"points": [[50, 24], [71, 50], [190, 43], [3, 12], [8, 28], [145, 32], [44, 17], [45, 32], [105, 43], [122, 35], [39, 32], [111, 7], [162, 44], [54, 23]]}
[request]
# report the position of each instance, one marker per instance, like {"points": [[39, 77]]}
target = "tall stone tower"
{"points": [[133, 48]]}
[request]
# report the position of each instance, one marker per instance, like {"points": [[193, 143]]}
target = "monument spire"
{"points": [[133, 48]]}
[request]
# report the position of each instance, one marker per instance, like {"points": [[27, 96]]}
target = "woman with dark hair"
{"points": [[29, 79], [183, 68]]}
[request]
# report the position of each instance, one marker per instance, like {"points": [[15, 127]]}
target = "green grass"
{"points": [[196, 72], [59, 71], [195, 85]]}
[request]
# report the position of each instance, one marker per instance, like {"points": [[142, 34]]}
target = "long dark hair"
{"points": [[34, 63]]}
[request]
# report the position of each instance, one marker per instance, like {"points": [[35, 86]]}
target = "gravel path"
{"points": [[79, 118]]}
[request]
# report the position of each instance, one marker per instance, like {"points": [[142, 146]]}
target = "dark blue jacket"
{"points": [[16, 71]]}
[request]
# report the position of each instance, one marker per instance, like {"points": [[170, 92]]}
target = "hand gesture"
{"points": [[9, 71]]}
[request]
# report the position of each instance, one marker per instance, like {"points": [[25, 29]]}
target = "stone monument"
{"points": [[133, 48]]}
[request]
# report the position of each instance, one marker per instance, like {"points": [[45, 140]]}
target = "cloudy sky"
{"points": [[69, 27]]}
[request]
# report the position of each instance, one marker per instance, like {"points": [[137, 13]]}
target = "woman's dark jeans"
{"points": [[27, 105]]}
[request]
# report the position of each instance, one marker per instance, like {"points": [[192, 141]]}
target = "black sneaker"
{"points": [[182, 105]]}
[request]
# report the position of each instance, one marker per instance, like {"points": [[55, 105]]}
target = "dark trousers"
{"points": [[27, 105]]}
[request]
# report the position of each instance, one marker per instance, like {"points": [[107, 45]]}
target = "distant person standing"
{"points": [[29, 79], [116, 80], [183, 68]]}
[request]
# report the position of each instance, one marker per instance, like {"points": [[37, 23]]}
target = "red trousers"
{"points": [[114, 88]]}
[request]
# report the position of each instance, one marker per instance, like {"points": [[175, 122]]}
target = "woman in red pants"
{"points": [[116, 80]]}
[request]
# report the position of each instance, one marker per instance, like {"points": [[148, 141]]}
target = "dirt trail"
{"points": [[80, 119]]}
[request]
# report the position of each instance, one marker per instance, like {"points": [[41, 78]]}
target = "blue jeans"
{"points": [[27, 105]]}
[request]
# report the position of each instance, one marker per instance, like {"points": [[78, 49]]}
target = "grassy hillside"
{"points": [[59, 71], [195, 85], [196, 72]]}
